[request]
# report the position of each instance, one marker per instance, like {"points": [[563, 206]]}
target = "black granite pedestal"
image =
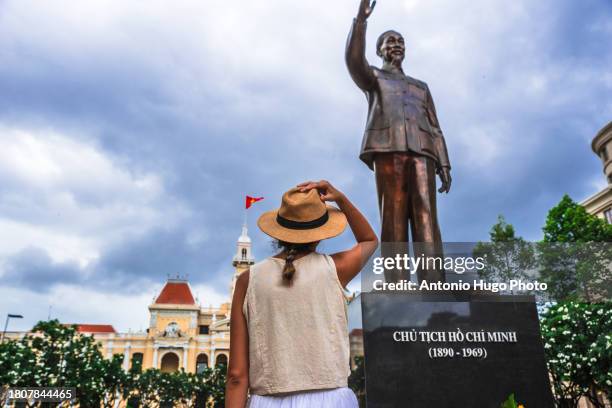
{"points": [[443, 350]]}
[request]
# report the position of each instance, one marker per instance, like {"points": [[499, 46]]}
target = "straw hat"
{"points": [[302, 218]]}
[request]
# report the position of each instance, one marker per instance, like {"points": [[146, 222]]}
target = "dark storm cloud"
{"points": [[34, 269], [154, 257]]}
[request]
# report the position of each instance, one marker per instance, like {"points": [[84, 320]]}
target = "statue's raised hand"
{"points": [[365, 9]]}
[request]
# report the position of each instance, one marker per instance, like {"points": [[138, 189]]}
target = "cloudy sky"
{"points": [[130, 131]]}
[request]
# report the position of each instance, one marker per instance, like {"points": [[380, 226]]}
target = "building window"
{"points": [[204, 329], [221, 360], [608, 215], [137, 362], [201, 363], [244, 253], [169, 363]]}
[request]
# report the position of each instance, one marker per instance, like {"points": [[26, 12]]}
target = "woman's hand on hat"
{"points": [[326, 191]]}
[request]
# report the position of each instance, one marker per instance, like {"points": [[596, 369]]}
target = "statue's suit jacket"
{"points": [[401, 113]]}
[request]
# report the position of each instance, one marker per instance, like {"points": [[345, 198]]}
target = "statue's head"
{"points": [[390, 46]]}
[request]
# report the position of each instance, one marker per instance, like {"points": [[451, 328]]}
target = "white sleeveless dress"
{"points": [[335, 398], [298, 336]]}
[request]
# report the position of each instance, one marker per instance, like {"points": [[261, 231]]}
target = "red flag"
{"points": [[250, 200]]}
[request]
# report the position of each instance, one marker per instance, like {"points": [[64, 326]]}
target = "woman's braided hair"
{"points": [[292, 250]]}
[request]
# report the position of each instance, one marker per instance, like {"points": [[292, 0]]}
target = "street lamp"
{"points": [[8, 317]]}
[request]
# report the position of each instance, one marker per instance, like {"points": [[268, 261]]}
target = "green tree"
{"points": [[216, 382], [56, 355], [171, 389], [204, 387], [66, 358], [144, 387], [575, 254], [578, 346], [507, 256], [568, 221], [17, 364], [153, 388], [114, 380], [502, 231], [575, 258]]}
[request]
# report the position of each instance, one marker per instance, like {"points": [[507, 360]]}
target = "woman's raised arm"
{"points": [[348, 263]]}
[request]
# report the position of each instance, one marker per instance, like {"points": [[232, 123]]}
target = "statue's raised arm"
{"points": [[356, 61]]}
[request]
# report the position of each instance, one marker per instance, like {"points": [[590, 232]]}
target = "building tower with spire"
{"points": [[243, 258]]}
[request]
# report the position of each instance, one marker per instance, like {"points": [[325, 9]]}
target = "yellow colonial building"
{"points": [[180, 333]]}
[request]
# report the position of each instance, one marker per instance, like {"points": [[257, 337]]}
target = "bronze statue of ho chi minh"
{"points": [[403, 144]]}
